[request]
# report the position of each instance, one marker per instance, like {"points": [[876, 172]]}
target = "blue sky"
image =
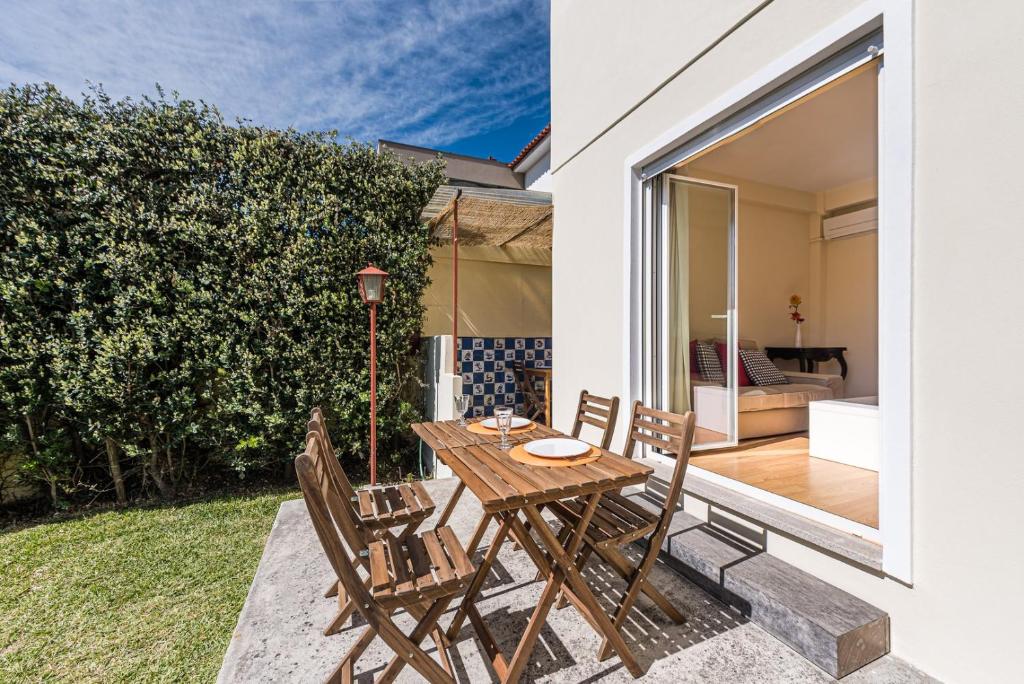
{"points": [[467, 76]]}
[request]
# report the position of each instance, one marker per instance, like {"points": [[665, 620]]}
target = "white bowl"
{"points": [[556, 447], [517, 422]]}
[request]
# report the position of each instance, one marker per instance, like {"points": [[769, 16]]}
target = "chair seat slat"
{"points": [[380, 502], [437, 557], [380, 578], [463, 566], [420, 562], [400, 567], [421, 493], [395, 501], [365, 503], [409, 497]]}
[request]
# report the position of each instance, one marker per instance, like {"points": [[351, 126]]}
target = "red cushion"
{"points": [[741, 372]]}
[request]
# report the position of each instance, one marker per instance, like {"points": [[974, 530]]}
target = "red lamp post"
{"points": [[371, 290]]}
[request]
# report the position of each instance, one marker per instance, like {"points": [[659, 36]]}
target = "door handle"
{"points": [[719, 315]]}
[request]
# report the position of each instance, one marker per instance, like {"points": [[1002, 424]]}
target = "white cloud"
{"points": [[431, 72]]}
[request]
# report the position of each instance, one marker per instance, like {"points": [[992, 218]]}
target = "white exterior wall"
{"points": [[536, 167], [539, 177], [960, 619]]}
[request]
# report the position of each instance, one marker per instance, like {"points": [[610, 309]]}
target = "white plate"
{"points": [[556, 447], [517, 422]]}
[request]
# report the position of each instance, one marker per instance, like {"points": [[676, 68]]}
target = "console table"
{"points": [[809, 356]]}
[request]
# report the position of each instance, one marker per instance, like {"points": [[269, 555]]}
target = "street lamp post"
{"points": [[371, 290]]}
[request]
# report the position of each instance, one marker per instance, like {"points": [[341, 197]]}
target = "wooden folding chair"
{"points": [[423, 575], [378, 509], [599, 412], [358, 528], [534, 405], [619, 520]]}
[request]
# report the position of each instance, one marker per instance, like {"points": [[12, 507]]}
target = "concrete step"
{"points": [[833, 629]]}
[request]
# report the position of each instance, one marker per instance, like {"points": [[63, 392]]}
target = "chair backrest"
{"points": [[531, 397], [672, 433], [318, 446], [317, 424], [316, 485], [599, 412]]}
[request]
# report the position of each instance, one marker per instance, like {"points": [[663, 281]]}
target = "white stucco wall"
{"points": [[960, 619], [539, 177], [536, 167]]}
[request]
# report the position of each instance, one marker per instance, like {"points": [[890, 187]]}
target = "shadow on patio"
{"points": [[279, 634]]}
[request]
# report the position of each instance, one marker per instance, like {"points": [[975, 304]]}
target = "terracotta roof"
{"points": [[529, 146]]}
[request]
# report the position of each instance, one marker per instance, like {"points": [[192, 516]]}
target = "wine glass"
{"points": [[461, 406], [503, 417]]}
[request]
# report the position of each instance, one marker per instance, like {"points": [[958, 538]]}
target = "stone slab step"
{"points": [[833, 629]]}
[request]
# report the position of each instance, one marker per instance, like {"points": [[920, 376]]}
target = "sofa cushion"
{"points": [[708, 364], [741, 373], [760, 370], [771, 397]]}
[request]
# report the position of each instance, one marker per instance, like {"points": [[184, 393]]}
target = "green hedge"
{"points": [[178, 292]]}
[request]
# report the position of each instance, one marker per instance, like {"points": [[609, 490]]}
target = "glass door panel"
{"points": [[697, 337]]}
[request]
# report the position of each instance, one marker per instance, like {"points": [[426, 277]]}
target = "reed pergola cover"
{"points": [[492, 217]]}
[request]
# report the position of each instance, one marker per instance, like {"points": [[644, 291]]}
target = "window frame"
{"points": [[895, 203]]}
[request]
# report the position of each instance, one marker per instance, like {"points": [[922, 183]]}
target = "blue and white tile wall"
{"points": [[486, 366]]}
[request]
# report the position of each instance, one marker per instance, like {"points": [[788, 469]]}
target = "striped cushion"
{"points": [[708, 365], [760, 370]]}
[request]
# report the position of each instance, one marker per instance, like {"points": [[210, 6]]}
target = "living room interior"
{"points": [[800, 190]]}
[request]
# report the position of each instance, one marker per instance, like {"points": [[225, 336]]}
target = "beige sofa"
{"points": [[781, 409]]}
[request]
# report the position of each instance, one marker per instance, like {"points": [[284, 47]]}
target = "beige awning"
{"points": [[492, 217]]}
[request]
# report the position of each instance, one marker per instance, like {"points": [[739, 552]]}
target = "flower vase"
{"points": [[799, 340]]}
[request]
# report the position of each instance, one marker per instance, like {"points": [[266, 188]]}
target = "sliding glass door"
{"points": [[692, 304]]}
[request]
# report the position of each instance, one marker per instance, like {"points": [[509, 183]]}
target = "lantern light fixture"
{"points": [[371, 284]]}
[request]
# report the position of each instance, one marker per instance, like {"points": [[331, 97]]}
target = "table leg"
{"points": [[450, 507], [565, 570], [481, 572], [812, 366], [478, 535], [842, 364]]}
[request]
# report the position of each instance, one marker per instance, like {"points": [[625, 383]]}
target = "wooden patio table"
{"points": [[507, 488]]}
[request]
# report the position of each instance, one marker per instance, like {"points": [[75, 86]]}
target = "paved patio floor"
{"points": [[279, 635]]}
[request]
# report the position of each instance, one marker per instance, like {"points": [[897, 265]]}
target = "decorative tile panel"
{"points": [[487, 369]]}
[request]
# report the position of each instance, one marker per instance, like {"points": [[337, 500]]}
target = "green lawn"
{"points": [[136, 595]]}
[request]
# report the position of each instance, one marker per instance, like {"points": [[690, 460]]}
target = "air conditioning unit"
{"points": [[850, 223]]}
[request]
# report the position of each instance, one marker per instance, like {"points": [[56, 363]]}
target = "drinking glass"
{"points": [[503, 416], [461, 406]]}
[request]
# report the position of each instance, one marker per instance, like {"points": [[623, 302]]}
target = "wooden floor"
{"points": [[781, 465], [705, 436]]}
